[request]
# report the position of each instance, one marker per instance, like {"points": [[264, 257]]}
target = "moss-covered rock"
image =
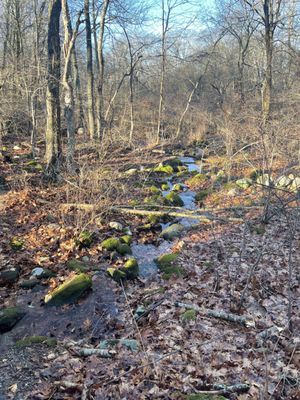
{"points": [[71, 290], [9, 317], [34, 165], [29, 283], [166, 260], [16, 244], [153, 219], [196, 181], [244, 183], [189, 315], [174, 199], [165, 186], [110, 244], [116, 274], [178, 187], [155, 199], [9, 276], [164, 169], [124, 249], [154, 190], [127, 239], [85, 239], [131, 268], [182, 168], [172, 231], [77, 266], [32, 340]]}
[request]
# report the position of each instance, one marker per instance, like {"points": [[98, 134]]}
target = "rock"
{"points": [[9, 276], [167, 264], [116, 225], [165, 186], [295, 185], [131, 268], [244, 183], [9, 318], [42, 273], [85, 239], [29, 283], [283, 182], [172, 231], [127, 231], [85, 259], [264, 180], [116, 274], [77, 266], [127, 239], [154, 190], [139, 311], [155, 199], [166, 260], [178, 187], [130, 344], [110, 244], [71, 290], [124, 249], [174, 199], [196, 181], [131, 172], [164, 169], [16, 244]]}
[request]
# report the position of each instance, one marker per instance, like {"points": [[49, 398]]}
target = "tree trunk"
{"points": [[89, 68], [267, 81], [53, 139], [100, 100]]}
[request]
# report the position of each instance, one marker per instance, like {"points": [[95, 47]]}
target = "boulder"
{"points": [[68, 292], [85, 239], [244, 183], [164, 169], [116, 225], [29, 283], [172, 231], [42, 273], [127, 239], [167, 264], [110, 244], [131, 268], [178, 187], [77, 266], [174, 199], [9, 318], [124, 249], [9, 276]]}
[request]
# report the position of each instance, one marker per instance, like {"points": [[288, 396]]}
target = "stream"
{"points": [[147, 253]]}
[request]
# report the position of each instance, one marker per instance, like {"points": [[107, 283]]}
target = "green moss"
{"points": [[85, 239], [69, 291], [154, 190], [229, 186], [169, 272], [9, 317], [127, 239], [244, 183], [172, 231], [31, 340], [124, 249], [77, 265], [174, 199], [153, 219], [110, 244], [178, 187], [196, 181], [201, 196], [116, 274], [182, 168], [166, 260], [164, 169], [131, 268], [189, 315], [34, 164], [156, 199], [164, 186], [16, 244]]}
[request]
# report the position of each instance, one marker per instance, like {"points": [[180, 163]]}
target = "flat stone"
{"points": [[9, 276]]}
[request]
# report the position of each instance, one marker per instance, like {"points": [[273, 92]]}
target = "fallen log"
{"points": [[238, 319], [142, 212], [226, 390]]}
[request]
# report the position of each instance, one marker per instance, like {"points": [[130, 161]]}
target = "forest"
{"points": [[149, 199]]}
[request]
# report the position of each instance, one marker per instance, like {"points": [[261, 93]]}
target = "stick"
{"points": [[222, 389], [246, 321], [86, 352]]}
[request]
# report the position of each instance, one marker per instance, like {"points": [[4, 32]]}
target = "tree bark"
{"points": [[100, 100], [89, 69], [53, 138]]}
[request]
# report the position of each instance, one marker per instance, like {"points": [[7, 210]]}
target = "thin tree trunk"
{"points": [[160, 121], [267, 81], [95, 16], [100, 100], [53, 139], [89, 68]]}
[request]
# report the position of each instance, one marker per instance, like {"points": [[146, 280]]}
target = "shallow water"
{"points": [[146, 253]]}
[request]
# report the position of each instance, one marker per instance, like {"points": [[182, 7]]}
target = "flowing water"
{"points": [[146, 253]]}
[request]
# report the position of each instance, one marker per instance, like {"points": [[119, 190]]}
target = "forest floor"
{"points": [[226, 326]]}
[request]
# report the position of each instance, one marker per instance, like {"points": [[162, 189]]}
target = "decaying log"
{"points": [[86, 352], [238, 319], [142, 212]]}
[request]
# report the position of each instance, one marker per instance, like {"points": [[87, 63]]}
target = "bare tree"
{"points": [[89, 70]]}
